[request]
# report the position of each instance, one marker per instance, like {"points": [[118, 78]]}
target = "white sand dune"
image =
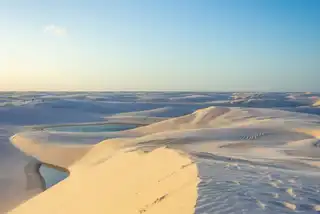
{"points": [[125, 182], [151, 169], [59, 155], [199, 119]]}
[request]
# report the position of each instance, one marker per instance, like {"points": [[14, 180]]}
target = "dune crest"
{"points": [[162, 181], [199, 119], [58, 155]]}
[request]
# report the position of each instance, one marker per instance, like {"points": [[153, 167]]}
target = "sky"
{"points": [[160, 45]]}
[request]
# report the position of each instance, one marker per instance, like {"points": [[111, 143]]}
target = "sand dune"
{"points": [[199, 119], [60, 155], [157, 168], [145, 183]]}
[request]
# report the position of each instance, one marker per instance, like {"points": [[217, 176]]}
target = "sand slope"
{"points": [[59, 155], [129, 182], [199, 119]]}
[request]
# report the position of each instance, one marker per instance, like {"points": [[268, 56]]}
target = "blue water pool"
{"points": [[94, 128], [51, 175]]}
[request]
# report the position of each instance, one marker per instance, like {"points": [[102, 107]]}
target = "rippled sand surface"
{"points": [[245, 188]]}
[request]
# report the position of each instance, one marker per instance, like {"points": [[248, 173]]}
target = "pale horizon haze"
{"points": [[205, 45]]}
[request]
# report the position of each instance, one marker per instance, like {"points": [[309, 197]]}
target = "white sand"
{"points": [[59, 155], [108, 180], [199, 119]]}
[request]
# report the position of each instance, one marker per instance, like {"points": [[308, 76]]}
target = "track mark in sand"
{"points": [[161, 179], [186, 165], [142, 210], [181, 168], [158, 200], [253, 137]]}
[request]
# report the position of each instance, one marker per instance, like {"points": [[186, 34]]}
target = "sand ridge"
{"points": [[199, 119], [59, 155], [129, 182]]}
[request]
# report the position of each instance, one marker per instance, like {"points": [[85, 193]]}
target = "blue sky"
{"points": [[205, 45]]}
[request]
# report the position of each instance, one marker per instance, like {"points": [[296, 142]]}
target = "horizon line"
{"points": [[186, 91]]}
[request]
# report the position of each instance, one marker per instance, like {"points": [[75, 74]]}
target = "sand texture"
{"points": [[216, 158], [162, 181]]}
